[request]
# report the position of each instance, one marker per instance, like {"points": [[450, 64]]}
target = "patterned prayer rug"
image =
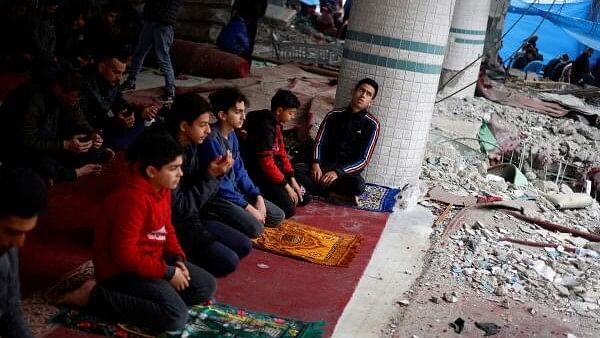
{"points": [[375, 198], [378, 198], [210, 321], [309, 243]]}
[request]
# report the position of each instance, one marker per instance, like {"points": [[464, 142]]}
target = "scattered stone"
{"points": [[451, 297], [404, 302], [532, 311], [434, 300]]}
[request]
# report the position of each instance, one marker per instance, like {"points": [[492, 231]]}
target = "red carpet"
{"points": [[62, 240], [288, 287], [299, 289]]}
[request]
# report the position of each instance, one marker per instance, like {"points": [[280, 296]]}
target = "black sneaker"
{"points": [[125, 86]]}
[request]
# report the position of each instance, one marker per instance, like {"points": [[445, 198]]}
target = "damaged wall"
{"points": [[401, 44], [202, 20], [495, 27]]}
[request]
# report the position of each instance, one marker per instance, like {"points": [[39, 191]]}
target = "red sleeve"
{"points": [[269, 167], [172, 247], [130, 218]]}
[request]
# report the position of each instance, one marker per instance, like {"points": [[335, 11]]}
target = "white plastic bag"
{"points": [[412, 194]]}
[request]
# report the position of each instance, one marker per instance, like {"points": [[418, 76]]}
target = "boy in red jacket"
{"points": [[142, 276]]}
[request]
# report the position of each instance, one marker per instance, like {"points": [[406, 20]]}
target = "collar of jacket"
{"points": [[361, 113]]}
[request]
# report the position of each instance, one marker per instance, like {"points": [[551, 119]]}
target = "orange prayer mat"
{"points": [[308, 243]]}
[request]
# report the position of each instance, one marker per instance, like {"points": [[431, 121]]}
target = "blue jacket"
{"points": [[236, 184], [234, 37]]}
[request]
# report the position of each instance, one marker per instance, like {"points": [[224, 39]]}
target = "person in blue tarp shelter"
{"points": [[234, 37]]}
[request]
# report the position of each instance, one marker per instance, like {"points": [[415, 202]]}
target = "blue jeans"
{"points": [[151, 303], [161, 37]]}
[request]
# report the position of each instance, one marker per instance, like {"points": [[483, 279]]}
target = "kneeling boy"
{"points": [[142, 276]]}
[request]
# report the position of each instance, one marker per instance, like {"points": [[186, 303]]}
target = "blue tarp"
{"points": [[566, 28]]}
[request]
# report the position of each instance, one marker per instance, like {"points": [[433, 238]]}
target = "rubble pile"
{"points": [[574, 141], [481, 255]]}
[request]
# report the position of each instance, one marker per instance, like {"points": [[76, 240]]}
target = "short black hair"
{"points": [[23, 193], [284, 99], [186, 107], [225, 98], [154, 147], [370, 82]]}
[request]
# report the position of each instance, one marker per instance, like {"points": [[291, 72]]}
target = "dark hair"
{"points": [[111, 7], [186, 107], [155, 148], [284, 99], [23, 193], [225, 98], [69, 80], [370, 82]]}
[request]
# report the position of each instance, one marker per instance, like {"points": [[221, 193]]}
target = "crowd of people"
{"points": [[579, 71], [194, 194]]}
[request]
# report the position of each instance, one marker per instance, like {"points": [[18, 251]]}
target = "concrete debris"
{"points": [[404, 302], [450, 297], [564, 276]]}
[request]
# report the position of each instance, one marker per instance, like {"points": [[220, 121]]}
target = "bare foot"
{"points": [[78, 297]]}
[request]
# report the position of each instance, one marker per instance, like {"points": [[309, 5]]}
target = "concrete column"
{"points": [[495, 29], [465, 44], [400, 44]]}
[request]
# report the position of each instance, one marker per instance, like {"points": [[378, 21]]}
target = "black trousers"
{"points": [[151, 303], [277, 194], [345, 185]]}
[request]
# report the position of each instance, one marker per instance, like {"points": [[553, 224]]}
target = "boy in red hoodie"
{"points": [[140, 268]]}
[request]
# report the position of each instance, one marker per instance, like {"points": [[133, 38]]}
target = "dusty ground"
{"points": [[495, 281]]}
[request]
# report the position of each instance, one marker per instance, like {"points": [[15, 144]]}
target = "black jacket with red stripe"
{"points": [[264, 152], [346, 141]]}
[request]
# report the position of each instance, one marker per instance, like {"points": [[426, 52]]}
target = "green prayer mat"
{"points": [[210, 321]]}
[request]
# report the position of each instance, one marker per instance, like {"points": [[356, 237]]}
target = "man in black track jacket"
{"points": [[343, 147]]}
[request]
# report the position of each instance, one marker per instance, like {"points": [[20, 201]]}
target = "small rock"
{"points": [[450, 297], [563, 291], [434, 300], [532, 311], [404, 302]]}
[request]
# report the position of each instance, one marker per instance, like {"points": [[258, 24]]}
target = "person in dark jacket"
{"points": [[103, 30], [42, 37], [581, 72], [251, 11], [234, 37], [103, 101], [22, 198], [44, 128], [265, 155], [141, 273], [208, 243], [549, 68], [345, 142], [159, 24], [239, 203]]}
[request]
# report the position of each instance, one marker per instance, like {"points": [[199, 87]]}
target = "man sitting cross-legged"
{"points": [[142, 274], [343, 148]]}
